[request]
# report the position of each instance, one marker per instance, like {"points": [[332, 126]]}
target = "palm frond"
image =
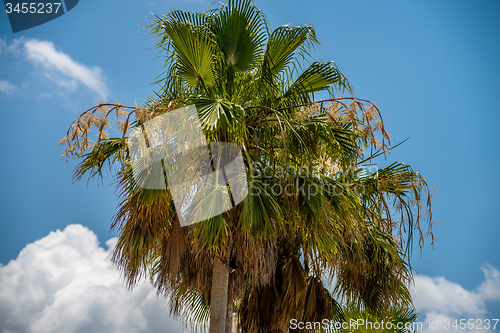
{"points": [[194, 52], [239, 29], [106, 152], [319, 76], [282, 45]]}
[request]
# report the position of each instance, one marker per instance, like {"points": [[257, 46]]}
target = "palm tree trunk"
{"points": [[218, 303], [229, 317], [236, 323]]}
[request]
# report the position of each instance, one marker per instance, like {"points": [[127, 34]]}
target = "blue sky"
{"points": [[432, 67]]}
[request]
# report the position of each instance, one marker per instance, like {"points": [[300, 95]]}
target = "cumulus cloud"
{"points": [[44, 53], [441, 301], [64, 283], [7, 87]]}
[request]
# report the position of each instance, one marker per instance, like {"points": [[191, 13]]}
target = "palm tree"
{"points": [[313, 211]]}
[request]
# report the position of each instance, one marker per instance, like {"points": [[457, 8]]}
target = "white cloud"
{"points": [[439, 294], [64, 283], [490, 288], [44, 53], [14, 47], [7, 87], [57, 66], [441, 301]]}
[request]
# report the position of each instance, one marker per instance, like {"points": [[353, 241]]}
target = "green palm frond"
{"points": [[220, 114], [260, 211], [197, 19], [396, 191], [401, 318], [319, 76], [282, 45], [213, 233], [106, 152], [191, 306], [240, 30], [373, 272], [194, 52]]}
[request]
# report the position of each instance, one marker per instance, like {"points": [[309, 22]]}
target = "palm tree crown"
{"points": [[313, 210]]}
